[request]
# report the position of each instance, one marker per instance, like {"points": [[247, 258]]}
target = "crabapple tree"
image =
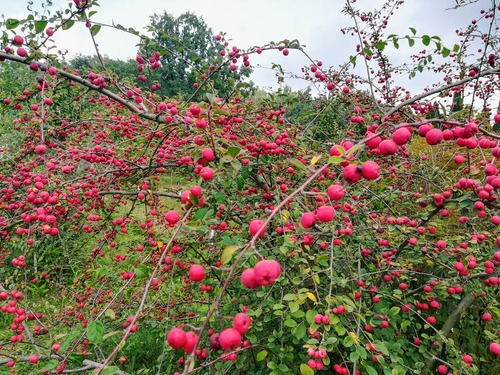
{"points": [[143, 234]]}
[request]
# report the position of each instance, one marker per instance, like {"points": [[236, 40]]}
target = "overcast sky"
{"points": [[315, 23]]}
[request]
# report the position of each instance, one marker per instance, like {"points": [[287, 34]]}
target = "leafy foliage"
{"points": [[187, 47], [283, 233]]}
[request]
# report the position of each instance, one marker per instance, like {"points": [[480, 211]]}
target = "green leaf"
{"points": [[354, 149], [95, 29], [68, 24], [306, 370], [411, 41], [233, 151], [220, 197], [426, 40], [200, 214], [370, 370], [299, 314], [111, 334], [69, 341], [352, 59], [335, 160], [294, 306], [51, 365], [133, 31], [272, 365], [11, 23], [362, 352], [240, 183], [310, 316], [141, 271], [227, 253], [245, 173], [261, 355], [381, 46], [76, 358], [382, 348], [299, 331], [394, 311], [456, 48], [283, 368], [445, 52], [341, 331], [194, 200], [95, 332], [40, 26], [110, 370], [298, 164], [413, 30]]}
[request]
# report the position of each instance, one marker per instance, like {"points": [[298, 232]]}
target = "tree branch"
{"points": [[72, 77], [441, 89]]}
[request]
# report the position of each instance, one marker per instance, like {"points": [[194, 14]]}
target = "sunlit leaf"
{"points": [[315, 159], [354, 337], [261, 355], [306, 370], [312, 297]]}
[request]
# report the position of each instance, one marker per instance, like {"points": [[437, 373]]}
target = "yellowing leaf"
{"points": [[160, 244], [191, 366], [227, 253], [316, 278], [110, 314], [285, 215], [315, 159], [312, 297], [354, 337]]}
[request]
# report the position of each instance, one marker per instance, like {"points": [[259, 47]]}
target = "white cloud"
{"points": [[316, 24]]}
